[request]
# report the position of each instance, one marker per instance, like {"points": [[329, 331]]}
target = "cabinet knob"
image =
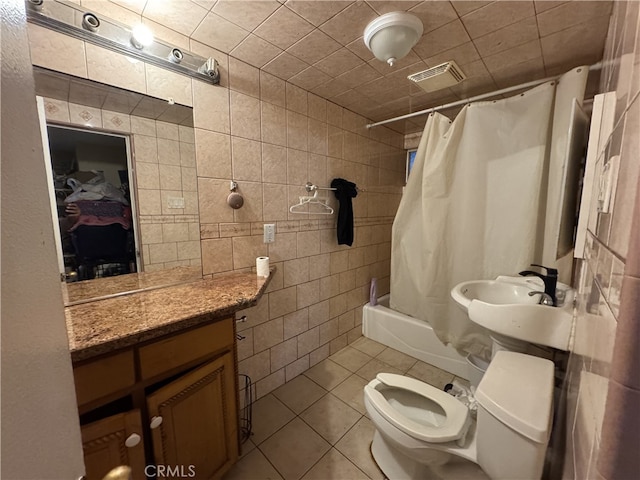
{"points": [[132, 440], [155, 422]]}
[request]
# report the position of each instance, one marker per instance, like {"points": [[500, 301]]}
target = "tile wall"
{"points": [[271, 137], [164, 163], [600, 275]]}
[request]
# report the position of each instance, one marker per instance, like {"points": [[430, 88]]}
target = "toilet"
{"points": [[419, 426]]}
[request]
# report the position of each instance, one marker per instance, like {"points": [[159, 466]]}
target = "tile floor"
{"points": [[315, 427]]}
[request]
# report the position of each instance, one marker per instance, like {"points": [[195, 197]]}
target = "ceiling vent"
{"points": [[441, 76]]}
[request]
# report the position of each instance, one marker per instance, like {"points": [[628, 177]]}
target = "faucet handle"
{"points": [[550, 271], [545, 298]]}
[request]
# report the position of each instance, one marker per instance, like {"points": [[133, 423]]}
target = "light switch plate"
{"points": [[269, 232]]}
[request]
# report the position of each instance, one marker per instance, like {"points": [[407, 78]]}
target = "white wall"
{"points": [[39, 421]]}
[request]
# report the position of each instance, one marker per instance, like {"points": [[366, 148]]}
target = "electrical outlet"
{"points": [[269, 232]]}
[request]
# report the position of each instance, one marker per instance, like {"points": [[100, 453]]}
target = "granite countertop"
{"points": [[100, 288], [111, 324]]}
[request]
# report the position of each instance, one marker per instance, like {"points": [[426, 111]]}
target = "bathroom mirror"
{"points": [[123, 187]]}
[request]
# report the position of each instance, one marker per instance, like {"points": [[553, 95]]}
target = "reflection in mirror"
{"points": [[125, 162]]}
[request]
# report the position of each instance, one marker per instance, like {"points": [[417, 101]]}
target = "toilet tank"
{"points": [[515, 411]]}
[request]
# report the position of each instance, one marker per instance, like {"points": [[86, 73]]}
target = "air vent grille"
{"points": [[438, 77]]}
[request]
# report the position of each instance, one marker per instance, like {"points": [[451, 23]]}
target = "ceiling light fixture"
{"points": [[391, 36], [141, 36]]}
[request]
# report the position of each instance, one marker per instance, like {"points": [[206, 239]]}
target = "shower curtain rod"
{"points": [[595, 66]]}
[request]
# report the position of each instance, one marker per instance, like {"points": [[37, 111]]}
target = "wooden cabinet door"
{"points": [[199, 429], [104, 446]]}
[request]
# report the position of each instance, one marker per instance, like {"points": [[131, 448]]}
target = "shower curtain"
{"points": [[474, 206]]}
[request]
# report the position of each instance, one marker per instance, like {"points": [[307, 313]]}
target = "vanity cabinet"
{"points": [[169, 403]]}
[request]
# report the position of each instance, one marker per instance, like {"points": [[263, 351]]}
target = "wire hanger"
{"points": [[312, 200]]}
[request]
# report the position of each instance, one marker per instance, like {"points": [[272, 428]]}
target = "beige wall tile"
{"points": [[147, 175], [296, 271], [256, 367], [296, 131], [168, 151], [274, 164], [317, 107], [143, 126], [275, 202], [167, 34], [251, 211], [149, 202], [112, 68], [347, 24], [309, 78], [187, 154], [283, 302], [248, 14], [272, 89], [211, 107], [443, 38], [118, 122], [569, 14], [217, 256], [245, 116], [145, 149], [213, 154], [308, 294], [189, 250], [246, 159], [314, 47], [268, 335], [274, 126], [245, 251], [297, 169], [316, 13], [183, 16], [283, 28], [296, 323], [285, 66], [317, 137], [308, 341], [56, 51], [495, 16], [56, 110], [338, 63], [296, 99], [284, 353], [189, 179], [167, 85], [86, 116], [151, 233], [255, 51], [212, 199], [244, 78], [284, 247], [163, 252], [219, 33]]}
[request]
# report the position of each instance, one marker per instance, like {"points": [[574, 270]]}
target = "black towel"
{"points": [[344, 191]]}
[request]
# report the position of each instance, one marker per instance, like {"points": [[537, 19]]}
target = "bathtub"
{"points": [[410, 336]]}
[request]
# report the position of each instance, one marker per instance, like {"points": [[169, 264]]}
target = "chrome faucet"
{"points": [[550, 281], [545, 299]]}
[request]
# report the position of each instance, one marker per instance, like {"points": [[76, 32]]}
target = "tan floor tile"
{"points": [[397, 359], [269, 415], [368, 346], [294, 449], [299, 393], [246, 448], [327, 374], [351, 392], [430, 374], [350, 358], [335, 466], [254, 466], [330, 417], [356, 446], [374, 367]]}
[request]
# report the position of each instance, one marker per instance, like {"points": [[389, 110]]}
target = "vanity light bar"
{"points": [[71, 19]]}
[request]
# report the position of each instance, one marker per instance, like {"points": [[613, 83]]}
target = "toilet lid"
{"points": [[457, 415]]}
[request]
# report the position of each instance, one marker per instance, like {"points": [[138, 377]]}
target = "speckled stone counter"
{"points": [[111, 324], [99, 288]]}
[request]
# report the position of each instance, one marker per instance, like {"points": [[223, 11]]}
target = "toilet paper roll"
{"points": [[262, 266]]}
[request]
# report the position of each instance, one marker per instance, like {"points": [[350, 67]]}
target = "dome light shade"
{"points": [[392, 35]]}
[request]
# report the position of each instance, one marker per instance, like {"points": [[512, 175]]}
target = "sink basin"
{"points": [[504, 306]]}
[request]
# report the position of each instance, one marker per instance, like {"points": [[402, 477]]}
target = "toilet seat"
{"points": [[457, 415]]}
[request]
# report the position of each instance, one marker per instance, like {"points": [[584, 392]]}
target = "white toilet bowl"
{"points": [[419, 426]]}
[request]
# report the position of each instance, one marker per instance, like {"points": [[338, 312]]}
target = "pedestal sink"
{"points": [[505, 307]]}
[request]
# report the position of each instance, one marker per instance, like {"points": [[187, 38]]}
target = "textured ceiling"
{"points": [[317, 44]]}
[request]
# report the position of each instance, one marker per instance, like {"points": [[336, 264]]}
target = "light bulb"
{"points": [[141, 36]]}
